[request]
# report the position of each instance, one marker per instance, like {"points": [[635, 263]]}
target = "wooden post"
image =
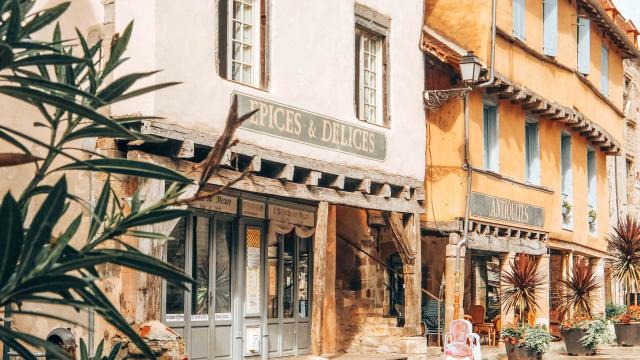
{"points": [[506, 315], [413, 280], [598, 296], [329, 307], [450, 279], [319, 277], [542, 316]]}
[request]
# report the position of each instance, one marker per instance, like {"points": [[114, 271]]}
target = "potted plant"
{"points": [[526, 342], [593, 214], [624, 248], [582, 333], [566, 207], [521, 286], [627, 326]]}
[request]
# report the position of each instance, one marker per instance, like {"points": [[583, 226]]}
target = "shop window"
{"points": [[519, 16], [288, 258], [396, 285], [550, 9], [253, 290], [567, 179], [592, 189], [176, 256], [532, 151], [200, 269], [490, 137], [303, 277], [584, 46], [223, 242], [273, 269], [242, 41], [371, 49], [604, 73]]}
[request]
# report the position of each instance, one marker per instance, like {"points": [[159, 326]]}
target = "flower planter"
{"points": [[515, 352], [628, 334], [572, 342]]}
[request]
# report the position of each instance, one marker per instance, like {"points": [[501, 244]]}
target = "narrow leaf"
{"points": [[13, 159], [128, 167], [11, 237], [44, 18], [45, 59], [100, 210]]}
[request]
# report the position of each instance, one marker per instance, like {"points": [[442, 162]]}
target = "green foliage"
{"points": [[574, 292], [533, 338], [597, 334], [84, 352], [613, 311], [624, 245], [522, 283], [65, 82]]}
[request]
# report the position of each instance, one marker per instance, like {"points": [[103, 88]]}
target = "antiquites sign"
{"points": [[309, 128], [492, 207]]}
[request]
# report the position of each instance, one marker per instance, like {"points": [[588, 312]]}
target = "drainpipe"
{"points": [[467, 164]]}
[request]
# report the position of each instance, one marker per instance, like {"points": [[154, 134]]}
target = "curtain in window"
{"points": [[604, 76], [519, 11], [550, 27], [584, 47]]}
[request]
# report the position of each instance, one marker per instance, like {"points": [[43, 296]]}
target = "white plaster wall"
{"points": [[312, 68]]}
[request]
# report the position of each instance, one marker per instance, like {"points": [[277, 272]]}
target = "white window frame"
{"points": [[567, 193], [254, 43], [592, 185], [492, 157], [378, 76], [531, 173]]}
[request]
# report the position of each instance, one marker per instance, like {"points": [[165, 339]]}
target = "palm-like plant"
{"points": [[624, 247], [573, 293], [67, 83], [521, 284]]}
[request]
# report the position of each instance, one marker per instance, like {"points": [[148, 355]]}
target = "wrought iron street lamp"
{"points": [[470, 69]]}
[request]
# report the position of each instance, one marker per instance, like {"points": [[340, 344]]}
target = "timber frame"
{"points": [[279, 174]]}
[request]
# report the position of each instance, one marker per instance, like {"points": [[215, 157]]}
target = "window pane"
{"points": [[223, 268], [246, 54], [200, 272], [246, 73], [176, 257], [237, 28], [248, 13], [253, 269], [303, 278], [237, 10], [235, 71], [237, 49], [273, 259], [288, 258], [247, 34]]}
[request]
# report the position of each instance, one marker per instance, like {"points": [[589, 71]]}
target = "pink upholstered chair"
{"points": [[460, 343]]}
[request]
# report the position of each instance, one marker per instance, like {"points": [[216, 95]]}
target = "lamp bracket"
{"points": [[434, 99]]}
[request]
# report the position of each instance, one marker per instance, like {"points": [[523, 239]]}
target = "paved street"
{"points": [[606, 353]]}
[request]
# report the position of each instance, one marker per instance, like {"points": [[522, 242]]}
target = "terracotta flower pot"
{"points": [[628, 334], [515, 352], [572, 342]]}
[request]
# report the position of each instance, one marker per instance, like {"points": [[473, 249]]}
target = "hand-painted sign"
{"points": [[492, 207], [309, 128], [292, 216], [220, 203]]}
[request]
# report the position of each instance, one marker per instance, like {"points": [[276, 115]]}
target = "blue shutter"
{"points": [[591, 177], [604, 76], [518, 19], [584, 45], [532, 149], [565, 149], [551, 27]]}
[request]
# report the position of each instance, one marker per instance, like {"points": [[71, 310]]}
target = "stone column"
{"points": [[450, 279], [598, 296], [506, 315], [319, 277], [413, 280], [542, 314]]}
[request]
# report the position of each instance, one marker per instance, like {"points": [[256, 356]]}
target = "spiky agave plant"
{"points": [[624, 247], [573, 295], [521, 284]]}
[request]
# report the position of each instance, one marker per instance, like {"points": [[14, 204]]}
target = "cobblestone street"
{"points": [[606, 353]]}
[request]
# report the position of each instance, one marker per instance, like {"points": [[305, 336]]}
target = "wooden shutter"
{"points": [[223, 16], [604, 76], [519, 18], [550, 27], [584, 46]]}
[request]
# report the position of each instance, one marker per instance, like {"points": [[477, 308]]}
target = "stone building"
{"points": [[317, 250], [528, 144]]}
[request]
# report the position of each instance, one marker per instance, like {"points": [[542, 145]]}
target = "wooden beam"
{"points": [[519, 97], [256, 164], [384, 191], [329, 313], [365, 186], [337, 182], [403, 244], [184, 149], [312, 178], [413, 278], [418, 193], [319, 276], [286, 173], [226, 158]]}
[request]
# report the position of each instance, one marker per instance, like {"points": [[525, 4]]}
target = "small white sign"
{"points": [[221, 203], [223, 316], [174, 317], [199, 317]]}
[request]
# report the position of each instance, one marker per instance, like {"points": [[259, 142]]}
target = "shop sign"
{"points": [[253, 209], [221, 203], [492, 207], [292, 216], [313, 129]]}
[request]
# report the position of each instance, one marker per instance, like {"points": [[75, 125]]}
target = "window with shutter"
{"points": [[490, 138], [567, 177], [532, 152], [519, 7], [591, 187], [550, 8], [584, 46], [604, 76]]}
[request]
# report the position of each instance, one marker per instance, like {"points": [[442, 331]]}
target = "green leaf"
{"points": [[11, 140], [6, 55], [44, 18], [30, 44], [154, 217], [98, 354], [148, 235], [97, 131], [46, 59], [9, 338], [120, 85], [100, 209], [84, 353], [15, 18], [128, 167], [61, 243], [68, 90], [114, 351], [117, 49], [11, 237], [53, 283], [144, 90], [43, 222]]}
